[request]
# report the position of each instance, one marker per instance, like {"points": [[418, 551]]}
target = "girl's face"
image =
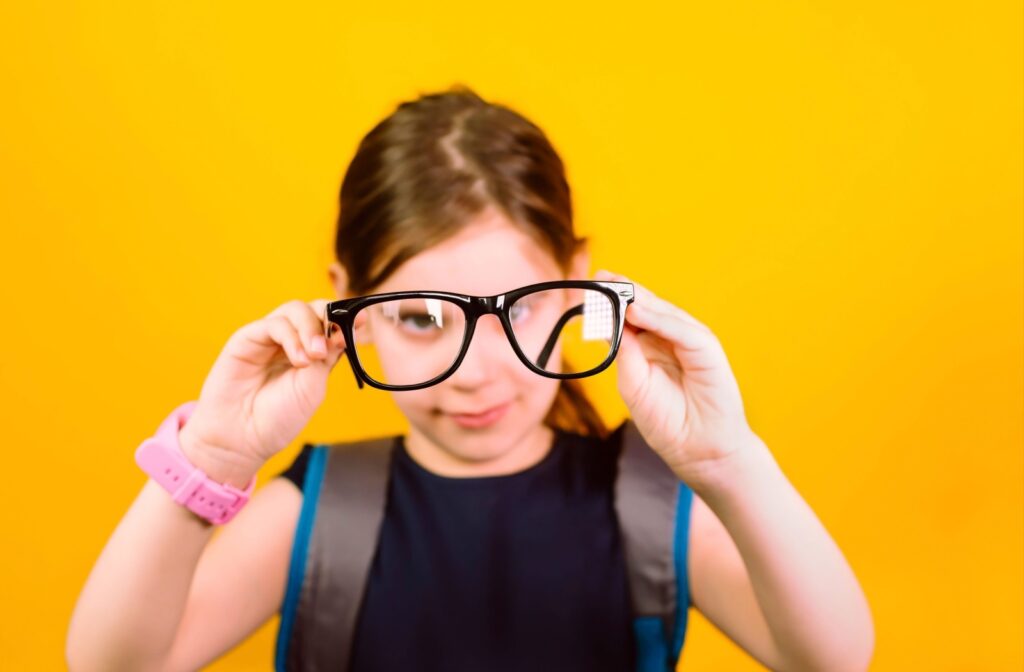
{"points": [[487, 257]]}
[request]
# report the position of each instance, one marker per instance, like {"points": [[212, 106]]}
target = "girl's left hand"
{"points": [[676, 381]]}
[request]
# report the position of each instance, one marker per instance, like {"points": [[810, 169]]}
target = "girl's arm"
{"points": [[791, 598], [133, 600], [146, 607], [766, 572], [157, 598]]}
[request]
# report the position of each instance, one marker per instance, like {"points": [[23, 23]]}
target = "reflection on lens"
{"points": [[408, 341], [575, 323]]}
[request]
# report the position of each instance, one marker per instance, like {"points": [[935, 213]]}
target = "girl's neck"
{"points": [[520, 456]]}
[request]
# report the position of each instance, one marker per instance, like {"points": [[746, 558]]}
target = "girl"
{"points": [[498, 549]]}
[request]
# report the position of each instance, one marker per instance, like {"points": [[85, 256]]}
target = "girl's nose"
{"points": [[488, 351]]}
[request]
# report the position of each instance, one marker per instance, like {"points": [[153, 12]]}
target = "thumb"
{"points": [[633, 368], [334, 355], [335, 350]]}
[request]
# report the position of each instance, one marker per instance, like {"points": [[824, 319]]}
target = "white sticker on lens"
{"points": [[598, 320]]}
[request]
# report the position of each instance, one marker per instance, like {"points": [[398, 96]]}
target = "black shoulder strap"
{"points": [[348, 516]]}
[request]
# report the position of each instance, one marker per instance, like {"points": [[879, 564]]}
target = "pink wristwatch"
{"points": [[160, 456]]}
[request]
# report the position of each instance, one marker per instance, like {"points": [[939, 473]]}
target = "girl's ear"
{"points": [[338, 278], [580, 268]]}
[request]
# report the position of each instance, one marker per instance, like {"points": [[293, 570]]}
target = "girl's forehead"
{"points": [[481, 260]]}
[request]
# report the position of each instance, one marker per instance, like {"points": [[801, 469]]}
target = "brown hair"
{"points": [[424, 171]]}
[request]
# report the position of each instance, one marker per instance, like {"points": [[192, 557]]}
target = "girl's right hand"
{"points": [[263, 389]]}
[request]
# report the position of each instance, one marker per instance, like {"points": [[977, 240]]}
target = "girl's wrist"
{"points": [[220, 464], [748, 461]]}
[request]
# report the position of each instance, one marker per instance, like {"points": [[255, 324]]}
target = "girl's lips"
{"points": [[481, 419]]}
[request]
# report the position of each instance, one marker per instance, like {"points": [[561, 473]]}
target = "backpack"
{"points": [[343, 506]]}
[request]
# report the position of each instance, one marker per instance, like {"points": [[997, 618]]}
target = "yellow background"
{"points": [[834, 188]]}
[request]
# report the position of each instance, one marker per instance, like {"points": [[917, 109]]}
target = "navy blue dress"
{"points": [[521, 571]]}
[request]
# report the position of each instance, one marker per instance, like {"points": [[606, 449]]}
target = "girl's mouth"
{"points": [[478, 420]]}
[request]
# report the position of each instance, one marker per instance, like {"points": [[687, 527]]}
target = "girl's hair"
{"points": [[423, 172]]}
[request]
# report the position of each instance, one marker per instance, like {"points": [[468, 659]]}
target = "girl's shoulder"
{"points": [[296, 471]]}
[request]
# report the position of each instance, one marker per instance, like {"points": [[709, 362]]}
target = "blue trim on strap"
{"points": [[682, 539], [296, 571], [651, 648], [654, 654]]}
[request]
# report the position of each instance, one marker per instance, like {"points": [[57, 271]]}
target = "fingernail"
{"points": [[318, 345]]}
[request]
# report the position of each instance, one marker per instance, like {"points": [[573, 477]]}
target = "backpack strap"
{"points": [[345, 495], [653, 507]]}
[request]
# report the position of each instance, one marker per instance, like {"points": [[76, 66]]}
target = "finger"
{"points": [[328, 332], [640, 352], [682, 333], [331, 331], [649, 299], [307, 319], [271, 334], [632, 367], [644, 296], [663, 307], [284, 331], [657, 304]]}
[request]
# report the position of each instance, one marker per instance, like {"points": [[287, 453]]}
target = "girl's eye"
{"points": [[418, 322], [519, 311]]}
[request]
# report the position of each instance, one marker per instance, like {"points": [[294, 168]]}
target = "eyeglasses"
{"points": [[411, 340]]}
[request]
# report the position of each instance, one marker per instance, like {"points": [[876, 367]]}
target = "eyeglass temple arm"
{"points": [[542, 361]]}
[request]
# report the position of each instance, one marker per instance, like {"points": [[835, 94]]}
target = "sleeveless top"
{"points": [[510, 572]]}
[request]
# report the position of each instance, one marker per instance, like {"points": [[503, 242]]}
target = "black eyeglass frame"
{"points": [[342, 313]]}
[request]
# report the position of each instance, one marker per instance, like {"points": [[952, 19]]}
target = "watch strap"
{"points": [[161, 457]]}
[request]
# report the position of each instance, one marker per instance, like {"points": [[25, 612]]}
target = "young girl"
{"points": [[499, 548]]}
